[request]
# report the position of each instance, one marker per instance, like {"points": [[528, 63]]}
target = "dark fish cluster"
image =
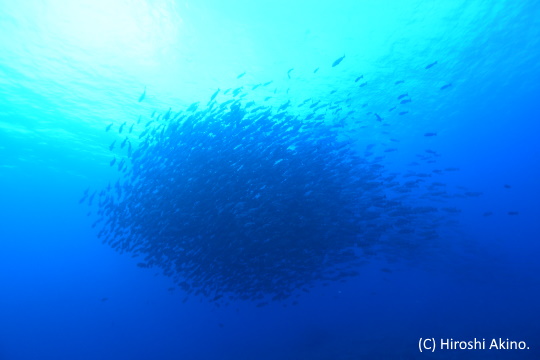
{"points": [[237, 200], [249, 203]]}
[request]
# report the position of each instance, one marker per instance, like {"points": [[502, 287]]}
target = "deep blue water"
{"points": [[69, 69]]}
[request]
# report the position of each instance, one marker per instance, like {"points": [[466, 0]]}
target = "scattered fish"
{"points": [[143, 95], [402, 96], [214, 95], [338, 61], [289, 72], [168, 113], [191, 107]]}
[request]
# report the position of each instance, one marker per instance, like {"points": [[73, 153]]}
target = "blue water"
{"points": [[70, 69]]}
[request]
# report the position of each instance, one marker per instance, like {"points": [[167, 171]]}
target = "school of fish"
{"points": [[239, 200]]}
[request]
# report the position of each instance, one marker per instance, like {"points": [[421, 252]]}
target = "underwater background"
{"points": [[414, 126]]}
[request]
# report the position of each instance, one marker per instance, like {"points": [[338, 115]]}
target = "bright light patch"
{"points": [[120, 29]]}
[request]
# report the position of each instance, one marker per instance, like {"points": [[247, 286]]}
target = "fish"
{"points": [[363, 84], [358, 78], [284, 106], [214, 95], [191, 107], [122, 127], [121, 164], [168, 113], [143, 95], [513, 213], [236, 91], [399, 82], [338, 61], [227, 199], [108, 127], [315, 71], [405, 101], [111, 147], [289, 72], [445, 86], [242, 74], [83, 198], [506, 186], [403, 112], [131, 128], [304, 102], [430, 134], [91, 198], [431, 65], [402, 96], [112, 162], [451, 210]]}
